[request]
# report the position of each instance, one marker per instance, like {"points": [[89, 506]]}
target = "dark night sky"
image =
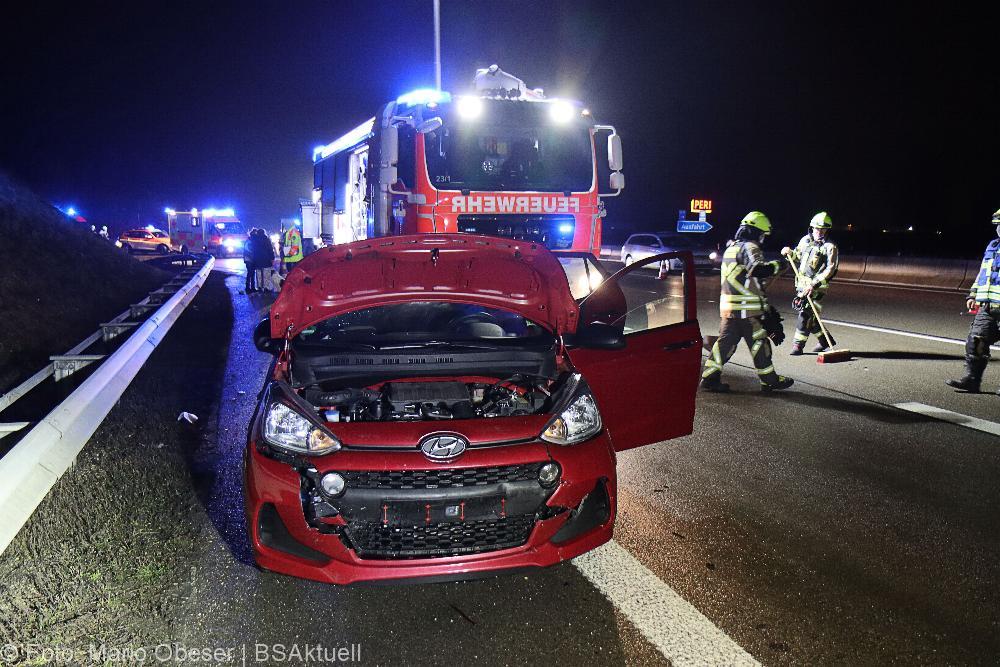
{"points": [[885, 117]]}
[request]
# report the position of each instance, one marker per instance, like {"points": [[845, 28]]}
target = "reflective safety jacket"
{"points": [[743, 266], [293, 246], [986, 289], [817, 262]]}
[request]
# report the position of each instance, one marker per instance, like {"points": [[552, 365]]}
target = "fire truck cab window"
{"points": [[513, 146]]}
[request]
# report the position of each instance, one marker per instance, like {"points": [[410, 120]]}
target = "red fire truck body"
{"points": [[502, 161]]}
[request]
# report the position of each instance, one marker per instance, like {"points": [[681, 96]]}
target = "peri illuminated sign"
{"points": [[701, 205], [515, 204]]}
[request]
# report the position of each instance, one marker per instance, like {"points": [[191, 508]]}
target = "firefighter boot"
{"points": [[776, 383], [796, 350], [974, 367], [714, 383], [822, 344]]}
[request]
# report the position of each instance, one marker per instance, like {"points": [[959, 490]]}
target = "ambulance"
{"points": [[216, 231], [503, 161]]}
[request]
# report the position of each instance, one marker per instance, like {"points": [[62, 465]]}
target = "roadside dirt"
{"points": [[94, 567], [58, 281]]}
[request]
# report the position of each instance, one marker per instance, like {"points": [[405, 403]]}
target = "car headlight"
{"points": [[713, 255], [580, 420], [286, 426]]}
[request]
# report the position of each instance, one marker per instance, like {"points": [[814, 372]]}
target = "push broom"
{"points": [[827, 356]]}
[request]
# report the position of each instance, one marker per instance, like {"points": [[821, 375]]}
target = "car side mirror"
{"points": [[262, 337], [599, 335], [615, 152], [617, 180]]}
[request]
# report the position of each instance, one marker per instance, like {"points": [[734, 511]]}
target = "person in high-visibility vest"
{"points": [[817, 258], [292, 246], [743, 306], [985, 329]]}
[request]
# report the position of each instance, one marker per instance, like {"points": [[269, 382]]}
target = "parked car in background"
{"points": [[640, 246], [145, 240], [442, 406]]}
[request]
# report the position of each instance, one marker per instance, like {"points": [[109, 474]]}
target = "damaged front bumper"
{"points": [[401, 516]]}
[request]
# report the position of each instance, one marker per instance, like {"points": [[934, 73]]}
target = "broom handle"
{"points": [[812, 305]]}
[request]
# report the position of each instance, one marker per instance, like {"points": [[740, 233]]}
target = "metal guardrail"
{"points": [[32, 467]]}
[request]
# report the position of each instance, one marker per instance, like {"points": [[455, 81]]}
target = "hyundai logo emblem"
{"points": [[443, 447]]}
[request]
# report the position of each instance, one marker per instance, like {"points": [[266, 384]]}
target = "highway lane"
{"points": [[804, 525], [815, 526]]}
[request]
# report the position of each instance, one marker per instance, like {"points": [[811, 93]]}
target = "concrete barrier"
{"points": [[915, 272], [972, 268], [852, 267], [943, 274]]}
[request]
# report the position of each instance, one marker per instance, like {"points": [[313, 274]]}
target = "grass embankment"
{"points": [[58, 281], [106, 557]]}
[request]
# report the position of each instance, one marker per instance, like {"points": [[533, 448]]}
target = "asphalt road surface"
{"points": [[821, 525]]}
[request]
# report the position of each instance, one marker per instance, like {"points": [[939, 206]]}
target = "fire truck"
{"points": [[503, 160], [217, 231]]}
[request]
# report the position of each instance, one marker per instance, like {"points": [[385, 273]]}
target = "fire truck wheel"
{"points": [[162, 249]]}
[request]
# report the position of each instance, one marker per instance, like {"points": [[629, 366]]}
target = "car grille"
{"points": [[441, 478], [375, 541]]}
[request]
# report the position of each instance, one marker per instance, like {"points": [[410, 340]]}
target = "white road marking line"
{"points": [[951, 417], [899, 332], [679, 631]]}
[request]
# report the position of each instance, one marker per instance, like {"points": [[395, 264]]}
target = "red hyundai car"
{"points": [[440, 406]]}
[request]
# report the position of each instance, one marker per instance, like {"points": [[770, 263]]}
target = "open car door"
{"points": [[646, 389]]}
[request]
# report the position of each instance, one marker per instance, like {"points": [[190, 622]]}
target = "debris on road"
{"points": [[188, 417]]}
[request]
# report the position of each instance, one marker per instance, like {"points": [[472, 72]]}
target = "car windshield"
{"points": [[231, 227], [512, 146], [425, 324]]}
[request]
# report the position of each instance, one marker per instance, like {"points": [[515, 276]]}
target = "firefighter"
{"points": [[743, 307], [817, 259], [292, 247], [985, 328]]}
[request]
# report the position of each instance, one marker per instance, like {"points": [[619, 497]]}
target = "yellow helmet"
{"points": [[757, 220], [821, 221], [996, 217]]}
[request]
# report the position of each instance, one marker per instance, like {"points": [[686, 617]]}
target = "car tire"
{"points": [[162, 249], [127, 248], [628, 260]]}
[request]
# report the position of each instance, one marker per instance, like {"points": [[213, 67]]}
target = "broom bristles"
{"points": [[833, 356]]}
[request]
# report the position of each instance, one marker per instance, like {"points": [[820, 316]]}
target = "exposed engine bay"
{"points": [[430, 400]]}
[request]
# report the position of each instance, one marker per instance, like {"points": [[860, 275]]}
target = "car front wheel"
{"points": [[162, 249], [628, 260]]}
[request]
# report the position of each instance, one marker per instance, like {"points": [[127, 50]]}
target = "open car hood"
{"points": [[522, 277]]}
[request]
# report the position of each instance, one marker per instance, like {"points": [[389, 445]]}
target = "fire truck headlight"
{"points": [[469, 107], [562, 112]]}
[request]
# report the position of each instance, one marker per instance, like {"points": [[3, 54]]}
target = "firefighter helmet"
{"points": [[996, 217], [757, 220], [821, 221]]}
